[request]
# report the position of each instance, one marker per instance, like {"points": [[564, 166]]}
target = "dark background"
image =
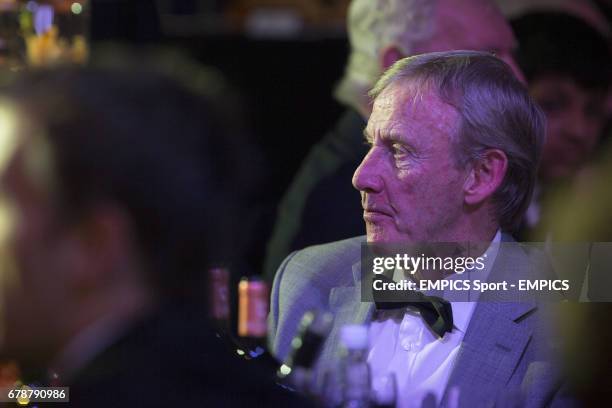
{"points": [[286, 81]]}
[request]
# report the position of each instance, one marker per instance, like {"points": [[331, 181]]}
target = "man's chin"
{"points": [[385, 236], [381, 231], [381, 237]]}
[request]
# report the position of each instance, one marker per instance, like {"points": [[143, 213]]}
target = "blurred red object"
{"points": [[9, 374]]}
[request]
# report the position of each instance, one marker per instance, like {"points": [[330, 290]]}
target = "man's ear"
{"points": [[486, 175], [389, 55]]}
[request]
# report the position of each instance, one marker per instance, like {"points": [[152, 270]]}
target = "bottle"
{"points": [[252, 311], [219, 298], [253, 303], [355, 372], [296, 370], [253, 300], [219, 309]]}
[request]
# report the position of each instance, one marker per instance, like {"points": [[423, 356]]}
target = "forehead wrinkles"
{"points": [[410, 106]]}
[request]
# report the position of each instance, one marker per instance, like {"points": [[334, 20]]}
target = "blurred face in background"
{"points": [[472, 25], [34, 255], [575, 120]]}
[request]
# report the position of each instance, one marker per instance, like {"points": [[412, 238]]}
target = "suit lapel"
{"points": [[495, 339], [490, 352]]}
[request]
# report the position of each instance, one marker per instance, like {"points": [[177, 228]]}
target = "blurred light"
{"points": [[8, 145], [240, 352], [24, 400], [8, 139], [285, 369], [296, 342], [76, 8], [43, 18], [257, 352], [31, 6]]}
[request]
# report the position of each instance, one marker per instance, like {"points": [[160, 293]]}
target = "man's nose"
{"points": [[367, 176]]}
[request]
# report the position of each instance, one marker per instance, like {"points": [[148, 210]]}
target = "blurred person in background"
{"points": [[568, 66], [114, 189], [321, 205], [582, 212], [565, 54], [591, 11]]}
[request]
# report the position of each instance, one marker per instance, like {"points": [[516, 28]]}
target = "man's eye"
{"points": [[399, 151]]}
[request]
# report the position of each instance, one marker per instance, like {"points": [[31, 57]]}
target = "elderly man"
{"points": [[454, 144], [320, 205]]}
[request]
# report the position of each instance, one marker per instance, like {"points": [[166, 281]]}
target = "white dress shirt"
{"points": [[401, 343]]}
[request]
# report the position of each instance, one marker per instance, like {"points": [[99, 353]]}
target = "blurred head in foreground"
{"points": [[111, 191], [568, 66], [382, 32]]}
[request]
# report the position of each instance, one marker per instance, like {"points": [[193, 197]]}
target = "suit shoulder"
{"points": [[318, 263], [347, 251]]}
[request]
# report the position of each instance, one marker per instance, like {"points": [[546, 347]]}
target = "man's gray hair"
{"points": [[496, 112], [373, 25]]}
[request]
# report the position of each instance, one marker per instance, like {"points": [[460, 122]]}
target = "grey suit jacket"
{"points": [[505, 357]]}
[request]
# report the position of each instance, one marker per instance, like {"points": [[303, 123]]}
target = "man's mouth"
{"points": [[371, 212]]}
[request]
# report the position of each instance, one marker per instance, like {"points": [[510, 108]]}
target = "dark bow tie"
{"points": [[437, 312]]}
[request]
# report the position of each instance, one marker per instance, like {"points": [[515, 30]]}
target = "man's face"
{"points": [[472, 25], [411, 187], [575, 119]]}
